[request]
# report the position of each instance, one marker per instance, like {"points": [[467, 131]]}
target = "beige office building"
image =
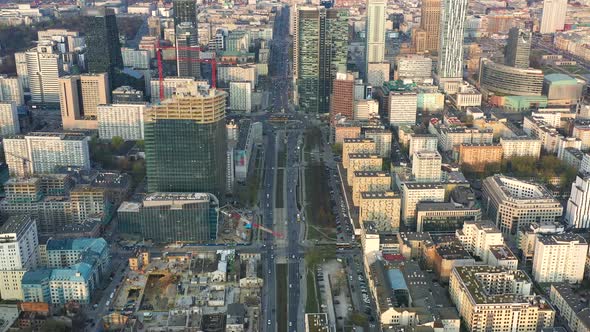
{"points": [[382, 208], [511, 203], [80, 96], [496, 299], [369, 181], [356, 145]]}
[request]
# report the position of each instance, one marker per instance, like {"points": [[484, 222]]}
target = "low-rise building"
{"points": [[444, 217], [573, 307]]}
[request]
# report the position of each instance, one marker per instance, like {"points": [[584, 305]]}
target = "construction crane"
{"points": [[213, 62]]}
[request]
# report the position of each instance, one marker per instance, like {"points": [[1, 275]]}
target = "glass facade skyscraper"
{"points": [[102, 40], [450, 54], [184, 11], [187, 51], [322, 46], [171, 217], [186, 142]]}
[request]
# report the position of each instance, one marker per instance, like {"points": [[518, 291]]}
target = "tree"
{"points": [[117, 142], [52, 325], [358, 319]]}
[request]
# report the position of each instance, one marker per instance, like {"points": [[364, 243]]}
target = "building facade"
{"points": [[121, 120], [557, 258]]}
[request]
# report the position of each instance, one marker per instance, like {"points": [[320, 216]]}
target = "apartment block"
{"points": [[121, 120], [521, 147], [573, 308], [382, 138], [369, 181], [363, 162], [342, 131], [478, 236], [9, 124], [449, 137], [11, 90], [495, 299], [356, 145], [577, 214], [422, 142], [426, 166], [382, 208], [413, 193], [557, 258], [475, 157]]}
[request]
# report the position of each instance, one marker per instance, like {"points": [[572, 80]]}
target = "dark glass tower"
{"points": [[184, 11], [187, 52], [102, 40], [518, 48], [320, 52], [186, 142]]}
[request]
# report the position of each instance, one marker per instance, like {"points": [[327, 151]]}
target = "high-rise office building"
{"points": [[518, 48], [450, 53], [44, 67], [342, 100], [375, 35], [184, 11], [80, 96], [320, 52], [187, 51], [186, 142], [430, 23], [554, 13], [102, 40]]}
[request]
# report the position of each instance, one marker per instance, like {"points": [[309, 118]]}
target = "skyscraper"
{"points": [[375, 41], [44, 67], [554, 12], [102, 40], [186, 142], [518, 48], [184, 11], [430, 23], [450, 53], [187, 51], [319, 53]]}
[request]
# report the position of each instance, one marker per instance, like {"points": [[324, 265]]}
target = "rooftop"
{"points": [[565, 239], [502, 252], [378, 194], [470, 277], [371, 174], [560, 79], [15, 224], [423, 186]]}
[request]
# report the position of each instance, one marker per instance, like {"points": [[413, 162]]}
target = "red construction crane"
{"points": [[249, 225], [213, 62]]}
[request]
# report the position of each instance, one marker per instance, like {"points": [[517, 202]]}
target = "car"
{"points": [[290, 285], [268, 323], [290, 324]]}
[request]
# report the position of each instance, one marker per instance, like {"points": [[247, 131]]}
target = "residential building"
{"points": [[549, 136], [577, 214], [356, 145], [475, 157], [39, 152], [377, 73], [553, 17], [422, 142], [444, 217], [369, 181], [11, 90], [507, 80], [382, 138], [572, 306], [121, 120], [80, 96], [193, 122], [450, 48], [382, 208], [467, 96], [319, 51], [521, 147], [20, 59], [344, 131], [501, 255], [518, 48], [44, 67], [172, 217], [450, 137], [19, 252], [342, 100], [102, 40], [572, 157], [478, 236], [412, 66], [363, 162], [493, 298], [9, 124], [136, 59], [512, 203], [366, 109], [414, 193], [426, 166], [557, 258], [240, 96]]}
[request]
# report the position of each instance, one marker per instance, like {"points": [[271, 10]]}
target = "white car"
{"points": [[269, 322]]}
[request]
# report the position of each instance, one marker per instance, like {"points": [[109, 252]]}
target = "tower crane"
{"points": [[26, 163]]}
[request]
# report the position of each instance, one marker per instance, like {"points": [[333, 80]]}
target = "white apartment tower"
{"points": [[478, 236], [559, 258], [9, 124], [123, 120], [11, 90]]}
